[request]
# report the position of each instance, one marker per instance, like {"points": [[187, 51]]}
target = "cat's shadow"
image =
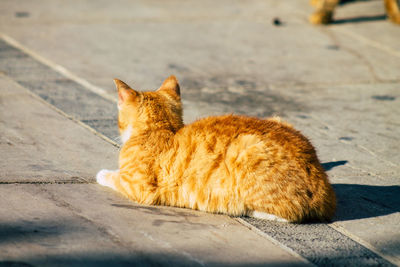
{"points": [[357, 201]]}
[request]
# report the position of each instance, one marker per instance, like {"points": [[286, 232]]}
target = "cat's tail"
{"points": [[312, 201], [322, 205]]}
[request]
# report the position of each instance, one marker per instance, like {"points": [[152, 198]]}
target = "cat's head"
{"points": [[139, 112]]}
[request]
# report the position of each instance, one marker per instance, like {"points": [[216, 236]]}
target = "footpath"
{"points": [[339, 85]]}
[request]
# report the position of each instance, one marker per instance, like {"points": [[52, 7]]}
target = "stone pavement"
{"points": [[339, 84]]}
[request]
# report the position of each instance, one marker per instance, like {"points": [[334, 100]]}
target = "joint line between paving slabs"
{"points": [[84, 125], [60, 69], [275, 242], [392, 259]]}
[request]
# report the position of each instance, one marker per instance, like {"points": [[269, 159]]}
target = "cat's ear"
{"points": [[171, 86], [125, 93]]}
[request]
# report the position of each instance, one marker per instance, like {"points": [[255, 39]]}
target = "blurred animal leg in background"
{"points": [[393, 10], [324, 11]]}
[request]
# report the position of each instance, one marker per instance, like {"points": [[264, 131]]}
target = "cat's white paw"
{"points": [[101, 178]]}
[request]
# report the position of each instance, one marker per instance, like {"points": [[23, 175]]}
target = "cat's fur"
{"points": [[325, 9], [229, 164]]}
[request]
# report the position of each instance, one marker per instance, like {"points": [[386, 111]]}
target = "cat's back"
{"points": [[232, 145], [236, 164], [229, 128]]}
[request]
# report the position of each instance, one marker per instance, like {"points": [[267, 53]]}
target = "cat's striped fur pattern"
{"points": [[229, 164]]}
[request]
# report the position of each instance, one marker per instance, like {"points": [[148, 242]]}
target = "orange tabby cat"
{"points": [[229, 164]]}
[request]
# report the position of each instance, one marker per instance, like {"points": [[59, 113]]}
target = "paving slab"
{"points": [[81, 224]]}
